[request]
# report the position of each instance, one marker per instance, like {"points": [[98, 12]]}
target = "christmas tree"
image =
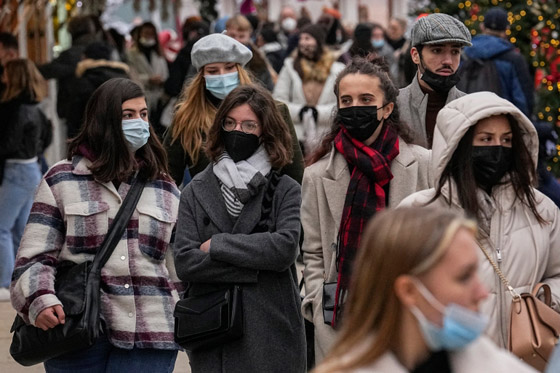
{"points": [[534, 31]]}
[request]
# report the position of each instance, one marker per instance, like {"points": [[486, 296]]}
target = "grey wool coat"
{"points": [[413, 104], [273, 331]]}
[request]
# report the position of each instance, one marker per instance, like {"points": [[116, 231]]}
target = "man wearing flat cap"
{"points": [[515, 82], [437, 41]]}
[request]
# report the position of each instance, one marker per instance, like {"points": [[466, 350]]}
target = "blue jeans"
{"points": [[16, 198], [103, 357]]}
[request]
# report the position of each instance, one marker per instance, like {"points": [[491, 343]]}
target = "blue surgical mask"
{"points": [[136, 132], [461, 326], [221, 85], [378, 43]]}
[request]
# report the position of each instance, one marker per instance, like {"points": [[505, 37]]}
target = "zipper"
{"points": [[499, 255], [502, 304]]}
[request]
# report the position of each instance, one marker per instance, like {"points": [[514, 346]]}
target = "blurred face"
{"points": [[7, 54], [147, 33], [307, 45], [135, 108], [245, 120], [493, 131], [377, 34], [242, 36], [219, 68], [454, 278], [287, 13], [442, 59], [395, 31]]}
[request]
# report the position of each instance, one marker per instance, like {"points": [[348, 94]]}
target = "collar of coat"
{"points": [[89, 63]]}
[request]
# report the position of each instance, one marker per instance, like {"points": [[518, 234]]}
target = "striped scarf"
{"points": [[371, 171], [242, 180]]}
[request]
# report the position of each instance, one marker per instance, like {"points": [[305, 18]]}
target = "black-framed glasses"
{"points": [[247, 126]]}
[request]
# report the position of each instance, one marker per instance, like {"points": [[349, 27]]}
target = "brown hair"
{"points": [[409, 240], [239, 21], [102, 134], [195, 114], [374, 67], [275, 136], [24, 79]]}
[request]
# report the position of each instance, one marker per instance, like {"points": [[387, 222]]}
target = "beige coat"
{"points": [[323, 192], [413, 104], [480, 356], [526, 251]]}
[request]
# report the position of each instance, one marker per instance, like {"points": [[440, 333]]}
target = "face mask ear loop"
{"points": [[429, 296]]}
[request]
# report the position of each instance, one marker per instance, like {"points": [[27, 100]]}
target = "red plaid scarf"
{"points": [[371, 171]]}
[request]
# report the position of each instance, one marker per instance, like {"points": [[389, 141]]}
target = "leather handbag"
{"points": [[77, 287], [534, 327], [329, 295], [209, 320]]}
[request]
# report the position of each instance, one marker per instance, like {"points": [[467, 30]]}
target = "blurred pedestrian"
{"points": [[25, 134], [401, 45], [421, 264], [306, 84], [8, 51]]}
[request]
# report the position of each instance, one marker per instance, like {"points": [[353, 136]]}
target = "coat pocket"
{"points": [[155, 228], [86, 226]]}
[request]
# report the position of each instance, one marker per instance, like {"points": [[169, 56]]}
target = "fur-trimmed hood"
{"points": [[88, 64]]}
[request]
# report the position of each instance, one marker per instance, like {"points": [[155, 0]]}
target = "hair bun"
{"points": [[378, 60]]}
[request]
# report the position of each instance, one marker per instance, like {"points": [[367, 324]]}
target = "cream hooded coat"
{"points": [[527, 252]]}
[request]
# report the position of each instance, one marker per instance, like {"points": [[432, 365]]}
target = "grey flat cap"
{"points": [[219, 48], [440, 28]]}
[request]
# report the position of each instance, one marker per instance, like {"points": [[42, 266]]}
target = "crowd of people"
{"points": [[354, 152]]}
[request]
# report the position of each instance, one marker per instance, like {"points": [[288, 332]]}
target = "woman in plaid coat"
{"points": [[75, 204]]}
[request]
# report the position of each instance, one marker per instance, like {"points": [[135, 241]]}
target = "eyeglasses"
{"points": [[247, 126]]}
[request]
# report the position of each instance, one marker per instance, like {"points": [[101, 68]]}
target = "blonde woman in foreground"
{"points": [[414, 301]]}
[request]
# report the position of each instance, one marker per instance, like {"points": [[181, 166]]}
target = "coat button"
{"points": [[206, 220], [130, 314], [123, 257], [126, 286]]}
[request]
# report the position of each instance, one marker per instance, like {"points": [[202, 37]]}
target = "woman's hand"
{"points": [[205, 246], [50, 317]]}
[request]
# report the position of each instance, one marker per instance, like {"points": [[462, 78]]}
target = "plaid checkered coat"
{"points": [[68, 221]]}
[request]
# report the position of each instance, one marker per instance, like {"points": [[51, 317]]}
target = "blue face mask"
{"points": [[378, 43], [136, 132], [221, 85], [461, 326]]}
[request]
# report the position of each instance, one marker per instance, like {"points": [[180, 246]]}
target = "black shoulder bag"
{"points": [[77, 286], [213, 319]]}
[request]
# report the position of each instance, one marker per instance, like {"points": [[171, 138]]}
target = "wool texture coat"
{"points": [[273, 332], [69, 219], [323, 193], [413, 104], [526, 251]]}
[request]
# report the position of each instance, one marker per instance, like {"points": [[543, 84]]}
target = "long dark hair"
{"points": [[522, 173], [102, 134], [361, 45], [275, 136], [375, 67]]}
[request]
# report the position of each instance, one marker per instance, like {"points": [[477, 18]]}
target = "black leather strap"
{"points": [[115, 232]]}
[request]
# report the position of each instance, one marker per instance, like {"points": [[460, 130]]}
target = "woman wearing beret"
{"points": [[219, 60]]}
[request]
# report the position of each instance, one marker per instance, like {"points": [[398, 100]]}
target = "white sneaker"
{"points": [[4, 295]]}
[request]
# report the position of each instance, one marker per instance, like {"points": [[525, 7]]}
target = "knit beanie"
{"points": [[318, 33]]}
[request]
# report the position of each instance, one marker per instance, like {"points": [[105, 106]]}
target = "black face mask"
{"points": [[360, 121], [240, 145], [440, 83], [490, 164]]}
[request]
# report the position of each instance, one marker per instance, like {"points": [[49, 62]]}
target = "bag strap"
{"points": [[115, 232], [499, 272]]}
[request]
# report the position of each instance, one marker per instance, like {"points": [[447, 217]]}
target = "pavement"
{"points": [[8, 365]]}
